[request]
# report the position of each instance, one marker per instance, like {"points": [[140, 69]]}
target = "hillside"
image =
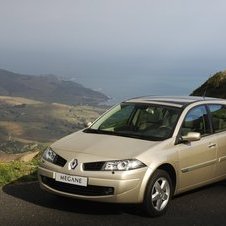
{"points": [[215, 86], [47, 88], [25, 122]]}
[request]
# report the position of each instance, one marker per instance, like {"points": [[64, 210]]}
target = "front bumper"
{"points": [[120, 187]]}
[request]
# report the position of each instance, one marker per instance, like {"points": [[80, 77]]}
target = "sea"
{"points": [[119, 88]]}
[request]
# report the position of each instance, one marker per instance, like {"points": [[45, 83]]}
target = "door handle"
{"points": [[212, 145]]}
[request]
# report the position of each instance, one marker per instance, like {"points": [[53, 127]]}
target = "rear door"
{"points": [[218, 115]]}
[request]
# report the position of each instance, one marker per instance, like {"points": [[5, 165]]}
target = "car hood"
{"points": [[102, 146]]}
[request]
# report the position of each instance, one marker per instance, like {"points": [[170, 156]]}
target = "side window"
{"points": [[218, 115], [196, 121]]}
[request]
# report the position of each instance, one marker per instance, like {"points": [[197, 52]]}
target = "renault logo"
{"points": [[73, 164]]}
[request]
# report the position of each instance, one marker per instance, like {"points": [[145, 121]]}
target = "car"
{"points": [[144, 150]]}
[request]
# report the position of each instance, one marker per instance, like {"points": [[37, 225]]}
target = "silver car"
{"points": [[144, 150]]}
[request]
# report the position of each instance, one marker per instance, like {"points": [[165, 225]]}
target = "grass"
{"points": [[17, 171]]}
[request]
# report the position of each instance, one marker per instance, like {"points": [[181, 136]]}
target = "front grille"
{"points": [[90, 190], [58, 160], [93, 166]]}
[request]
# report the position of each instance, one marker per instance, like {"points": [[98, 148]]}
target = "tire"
{"points": [[158, 194]]}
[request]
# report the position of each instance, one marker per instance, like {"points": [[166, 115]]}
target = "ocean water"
{"points": [[121, 88]]}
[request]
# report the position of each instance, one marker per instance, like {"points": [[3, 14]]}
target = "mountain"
{"points": [[215, 86], [47, 88]]}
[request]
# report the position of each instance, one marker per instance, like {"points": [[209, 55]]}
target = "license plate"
{"points": [[69, 179]]}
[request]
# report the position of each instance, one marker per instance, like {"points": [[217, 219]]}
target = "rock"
{"points": [[25, 157], [28, 156]]}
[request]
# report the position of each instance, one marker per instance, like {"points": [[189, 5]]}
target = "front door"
{"points": [[197, 159]]}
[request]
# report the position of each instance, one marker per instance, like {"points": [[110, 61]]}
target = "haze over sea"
{"points": [[124, 48], [119, 88]]}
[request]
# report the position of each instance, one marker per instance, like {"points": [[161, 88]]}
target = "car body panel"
{"points": [[221, 157], [99, 145], [197, 161]]}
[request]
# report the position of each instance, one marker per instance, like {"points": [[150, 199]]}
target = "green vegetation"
{"points": [[215, 86], [20, 171], [17, 171]]}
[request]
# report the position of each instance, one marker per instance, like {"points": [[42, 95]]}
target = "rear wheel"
{"points": [[158, 193]]}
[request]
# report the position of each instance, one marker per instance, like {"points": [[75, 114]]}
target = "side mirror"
{"points": [[191, 136]]}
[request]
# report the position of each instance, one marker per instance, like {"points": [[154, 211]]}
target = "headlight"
{"points": [[122, 165], [49, 155]]}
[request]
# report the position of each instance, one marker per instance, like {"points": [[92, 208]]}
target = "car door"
{"points": [[197, 159], [218, 116]]}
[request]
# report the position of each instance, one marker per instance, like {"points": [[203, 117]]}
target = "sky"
{"points": [[123, 48]]}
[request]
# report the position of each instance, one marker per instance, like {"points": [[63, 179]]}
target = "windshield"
{"points": [[143, 121]]}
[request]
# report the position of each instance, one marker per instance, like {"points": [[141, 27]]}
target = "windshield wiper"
{"points": [[98, 131], [123, 134], [88, 130]]}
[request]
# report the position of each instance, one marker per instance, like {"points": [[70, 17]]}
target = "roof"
{"points": [[177, 101]]}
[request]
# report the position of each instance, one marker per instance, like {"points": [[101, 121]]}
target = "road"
{"points": [[25, 204]]}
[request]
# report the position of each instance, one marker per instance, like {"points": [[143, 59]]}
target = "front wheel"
{"points": [[158, 193]]}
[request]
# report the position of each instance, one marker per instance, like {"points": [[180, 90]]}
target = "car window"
{"points": [[218, 115], [119, 118], [138, 120], [196, 121]]}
